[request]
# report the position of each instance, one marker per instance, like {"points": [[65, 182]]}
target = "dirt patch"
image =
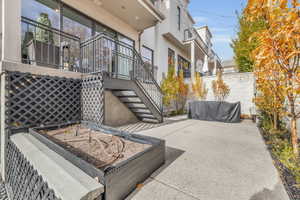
{"points": [[95, 147]]}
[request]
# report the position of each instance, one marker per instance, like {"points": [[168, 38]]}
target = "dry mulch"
{"points": [[99, 149]]}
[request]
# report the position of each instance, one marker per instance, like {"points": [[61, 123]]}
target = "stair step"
{"points": [[147, 120], [126, 93], [142, 115], [136, 106], [140, 110], [130, 99]]}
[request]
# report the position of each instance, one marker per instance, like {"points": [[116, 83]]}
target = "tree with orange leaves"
{"points": [[220, 89], [278, 51], [175, 90], [182, 94], [199, 89], [270, 97]]}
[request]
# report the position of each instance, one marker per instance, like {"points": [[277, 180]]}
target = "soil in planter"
{"points": [[99, 149]]}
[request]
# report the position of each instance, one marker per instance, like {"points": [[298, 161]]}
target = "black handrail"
{"points": [[45, 27], [100, 53], [107, 51], [45, 46]]}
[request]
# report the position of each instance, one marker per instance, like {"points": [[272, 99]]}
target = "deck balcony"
{"points": [[121, 65]]}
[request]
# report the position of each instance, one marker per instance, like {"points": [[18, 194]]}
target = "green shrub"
{"points": [[281, 147], [265, 121], [283, 150]]}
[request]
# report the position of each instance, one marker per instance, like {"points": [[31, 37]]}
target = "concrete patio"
{"points": [[212, 161]]}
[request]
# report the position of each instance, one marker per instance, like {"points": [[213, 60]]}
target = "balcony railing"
{"points": [[46, 46], [192, 34], [49, 47]]}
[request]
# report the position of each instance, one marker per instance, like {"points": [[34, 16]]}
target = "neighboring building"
{"points": [[229, 66], [175, 42]]}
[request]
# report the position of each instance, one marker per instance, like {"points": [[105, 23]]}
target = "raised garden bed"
{"points": [[119, 160]]}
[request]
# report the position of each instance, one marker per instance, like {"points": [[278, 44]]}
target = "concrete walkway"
{"points": [[212, 161]]}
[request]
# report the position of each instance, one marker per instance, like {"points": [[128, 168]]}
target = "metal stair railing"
{"points": [[116, 59]]}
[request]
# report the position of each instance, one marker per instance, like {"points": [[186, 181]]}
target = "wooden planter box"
{"points": [[121, 179]]}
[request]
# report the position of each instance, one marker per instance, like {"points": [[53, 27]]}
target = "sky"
{"points": [[220, 16]]}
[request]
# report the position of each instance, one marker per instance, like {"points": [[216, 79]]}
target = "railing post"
{"points": [[133, 67], [93, 55], [80, 58]]}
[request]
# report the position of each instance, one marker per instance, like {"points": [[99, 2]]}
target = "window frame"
{"points": [[186, 73], [171, 51], [94, 21], [152, 54]]}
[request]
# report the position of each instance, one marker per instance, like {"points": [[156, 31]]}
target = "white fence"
{"points": [[242, 88]]}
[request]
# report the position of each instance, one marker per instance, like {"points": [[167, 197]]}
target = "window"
{"points": [[99, 28], [147, 55], [126, 40], [73, 22], [171, 58], [38, 10], [77, 24], [178, 17], [187, 34], [185, 66]]}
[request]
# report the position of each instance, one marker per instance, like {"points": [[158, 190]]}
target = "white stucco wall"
{"points": [[161, 50], [241, 89], [11, 30], [153, 37]]}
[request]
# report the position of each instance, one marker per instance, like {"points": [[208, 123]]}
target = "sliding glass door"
{"points": [[114, 54]]}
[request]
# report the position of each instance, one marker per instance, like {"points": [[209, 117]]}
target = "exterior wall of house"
{"points": [[205, 35], [101, 15], [11, 30], [161, 51], [153, 37], [242, 88], [171, 22], [209, 63], [11, 34]]}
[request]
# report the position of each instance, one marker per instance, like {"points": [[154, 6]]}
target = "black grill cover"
{"points": [[215, 111]]}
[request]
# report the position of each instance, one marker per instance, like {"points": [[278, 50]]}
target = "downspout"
{"points": [[139, 39]]}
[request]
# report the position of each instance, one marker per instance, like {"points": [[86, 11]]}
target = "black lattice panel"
{"points": [[35, 100], [92, 99], [23, 181]]}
